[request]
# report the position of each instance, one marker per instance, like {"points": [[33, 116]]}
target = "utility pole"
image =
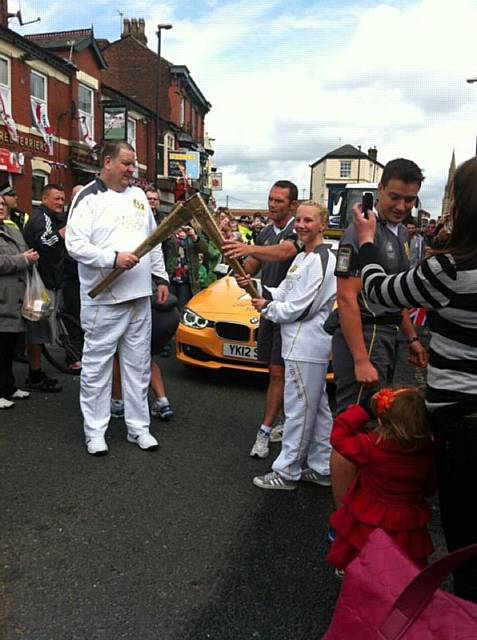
{"points": [[359, 161]]}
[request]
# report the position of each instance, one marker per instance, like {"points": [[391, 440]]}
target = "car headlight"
{"points": [[193, 320]]}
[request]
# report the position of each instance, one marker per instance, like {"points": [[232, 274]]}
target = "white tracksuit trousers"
{"points": [[306, 435], [126, 328]]}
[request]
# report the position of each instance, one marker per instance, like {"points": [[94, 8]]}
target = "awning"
{"points": [[85, 168]]}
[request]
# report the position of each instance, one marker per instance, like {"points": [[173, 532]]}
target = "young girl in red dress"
{"points": [[396, 472]]}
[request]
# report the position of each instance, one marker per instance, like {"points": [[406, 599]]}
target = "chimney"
{"points": [[141, 27], [373, 153], [126, 27], [137, 29]]}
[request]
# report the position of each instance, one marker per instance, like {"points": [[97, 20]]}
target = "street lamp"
{"points": [[160, 27], [471, 81]]}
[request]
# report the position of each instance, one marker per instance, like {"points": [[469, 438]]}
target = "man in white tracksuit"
{"points": [[301, 304], [107, 220]]}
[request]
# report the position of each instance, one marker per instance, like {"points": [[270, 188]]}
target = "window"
{"points": [[38, 181], [169, 145], [169, 142], [345, 169], [38, 87], [85, 111], [182, 113], [132, 132], [38, 95], [5, 83]]}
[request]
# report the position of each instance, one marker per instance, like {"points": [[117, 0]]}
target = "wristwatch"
{"points": [[411, 340]]}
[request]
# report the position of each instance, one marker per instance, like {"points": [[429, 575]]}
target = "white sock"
{"points": [[162, 401], [267, 430]]}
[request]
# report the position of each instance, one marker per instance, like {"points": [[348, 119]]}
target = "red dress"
{"points": [[387, 492]]}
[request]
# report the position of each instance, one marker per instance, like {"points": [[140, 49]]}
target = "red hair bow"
{"points": [[384, 398]]}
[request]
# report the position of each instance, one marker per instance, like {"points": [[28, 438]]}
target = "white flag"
{"points": [[6, 117], [85, 133], [40, 117]]}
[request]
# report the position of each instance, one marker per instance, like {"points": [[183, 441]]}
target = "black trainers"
{"points": [[45, 384]]}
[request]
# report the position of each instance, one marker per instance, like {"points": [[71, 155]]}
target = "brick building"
{"points": [[31, 78], [133, 69], [82, 125], [54, 88]]}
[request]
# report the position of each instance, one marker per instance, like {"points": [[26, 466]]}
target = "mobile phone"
{"points": [[343, 261], [367, 203]]}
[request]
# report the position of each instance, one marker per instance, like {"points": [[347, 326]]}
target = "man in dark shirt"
{"points": [[365, 343], [45, 232], [273, 253], [15, 216]]}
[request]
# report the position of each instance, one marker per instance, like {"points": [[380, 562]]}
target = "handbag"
{"points": [[332, 322], [385, 597], [37, 302]]}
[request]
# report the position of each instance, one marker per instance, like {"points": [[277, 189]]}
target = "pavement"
{"points": [[175, 544]]}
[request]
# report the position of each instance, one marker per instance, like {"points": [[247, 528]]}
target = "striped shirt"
{"points": [[449, 291]]}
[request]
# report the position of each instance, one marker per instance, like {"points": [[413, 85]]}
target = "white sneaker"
{"points": [[97, 446], [6, 404], [308, 475], [273, 480], [145, 441], [260, 448], [277, 432], [20, 394]]}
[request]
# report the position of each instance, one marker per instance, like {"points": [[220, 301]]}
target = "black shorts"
{"points": [[269, 342], [164, 325]]}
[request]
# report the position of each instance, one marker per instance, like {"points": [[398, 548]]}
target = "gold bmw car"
{"points": [[218, 329]]}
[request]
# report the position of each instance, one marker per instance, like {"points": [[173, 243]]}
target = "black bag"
{"points": [[332, 322]]}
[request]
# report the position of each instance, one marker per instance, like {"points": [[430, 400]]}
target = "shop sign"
{"points": [[11, 161], [115, 119], [215, 181], [28, 142], [184, 164]]}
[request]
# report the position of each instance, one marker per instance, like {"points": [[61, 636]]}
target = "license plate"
{"points": [[240, 351]]}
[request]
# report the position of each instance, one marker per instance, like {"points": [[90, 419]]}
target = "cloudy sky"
{"points": [[291, 81]]}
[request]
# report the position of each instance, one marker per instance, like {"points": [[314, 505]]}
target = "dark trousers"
{"points": [[456, 456], [183, 293], [7, 349], [71, 298], [381, 344]]}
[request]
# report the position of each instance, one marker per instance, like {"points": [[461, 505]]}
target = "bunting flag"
{"points": [[6, 117], [418, 317], [85, 133], [40, 119]]}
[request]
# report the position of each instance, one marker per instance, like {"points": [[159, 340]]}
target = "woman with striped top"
{"points": [[445, 284]]}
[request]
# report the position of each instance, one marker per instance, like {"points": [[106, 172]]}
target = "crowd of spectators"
{"points": [[301, 297], [192, 263]]}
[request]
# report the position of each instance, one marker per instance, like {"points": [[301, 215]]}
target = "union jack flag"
{"points": [[418, 316]]}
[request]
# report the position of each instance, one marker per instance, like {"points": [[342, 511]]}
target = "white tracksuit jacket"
{"points": [[305, 287], [102, 221]]}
